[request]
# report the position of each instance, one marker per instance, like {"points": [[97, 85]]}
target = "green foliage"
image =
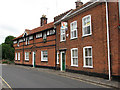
{"points": [[8, 49], [8, 40]]}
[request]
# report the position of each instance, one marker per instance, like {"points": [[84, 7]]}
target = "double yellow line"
{"points": [[6, 83]]}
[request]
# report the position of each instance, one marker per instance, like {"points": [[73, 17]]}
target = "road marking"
{"points": [[6, 83]]}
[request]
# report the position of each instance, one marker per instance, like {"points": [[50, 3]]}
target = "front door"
{"points": [[63, 61], [33, 59]]}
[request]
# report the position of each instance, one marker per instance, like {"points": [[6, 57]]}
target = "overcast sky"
{"points": [[18, 15]]}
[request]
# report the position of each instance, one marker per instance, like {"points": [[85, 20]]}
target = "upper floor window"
{"points": [[27, 56], [44, 55], [52, 32], [74, 57], [86, 25], [39, 35], [87, 55], [62, 35], [73, 27], [30, 37]]}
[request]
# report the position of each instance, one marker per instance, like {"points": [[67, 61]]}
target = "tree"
{"points": [[8, 40], [8, 49]]}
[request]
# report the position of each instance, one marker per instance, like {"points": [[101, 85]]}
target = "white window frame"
{"points": [[58, 59], [26, 58], [74, 57], [42, 59], [19, 56], [15, 56], [84, 57], [72, 30], [85, 26], [62, 34]]}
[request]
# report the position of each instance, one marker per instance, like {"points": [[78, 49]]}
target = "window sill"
{"points": [[62, 41], [87, 35], [91, 67], [74, 65], [73, 38], [44, 60], [26, 60]]}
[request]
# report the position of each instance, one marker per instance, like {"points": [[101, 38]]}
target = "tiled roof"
{"points": [[38, 29]]}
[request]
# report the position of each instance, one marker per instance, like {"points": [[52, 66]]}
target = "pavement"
{"points": [[80, 77]]}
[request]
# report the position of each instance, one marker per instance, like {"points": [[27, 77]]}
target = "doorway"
{"points": [[63, 64]]}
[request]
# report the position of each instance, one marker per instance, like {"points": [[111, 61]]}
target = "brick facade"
{"points": [[98, 39]]}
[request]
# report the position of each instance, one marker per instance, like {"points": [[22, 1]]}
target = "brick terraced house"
{"points": [[36, 47], [88, 39], [84, 40]]}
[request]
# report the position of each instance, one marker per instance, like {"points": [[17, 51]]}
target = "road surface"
{"points": [[18, 77]]}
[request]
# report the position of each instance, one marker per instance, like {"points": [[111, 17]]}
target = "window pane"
{"points": [[90, 61], [88, 30], [89, 52], [73, 53], [75, 33], [76, 53], [86, 54], [86, 61]]}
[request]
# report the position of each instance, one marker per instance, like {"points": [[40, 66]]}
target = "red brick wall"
{"points": [[32, 47], [98, 40], [114, 37]]}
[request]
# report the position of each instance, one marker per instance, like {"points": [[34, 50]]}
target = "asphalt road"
{"points": [[18, 77]]}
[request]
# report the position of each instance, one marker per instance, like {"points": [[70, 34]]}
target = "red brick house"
{"points": [[87, 39], [36, 47]]}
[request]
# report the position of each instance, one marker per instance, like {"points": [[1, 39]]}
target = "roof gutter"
{"points": [[108, 40]]}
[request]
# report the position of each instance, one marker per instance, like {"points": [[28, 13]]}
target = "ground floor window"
{"points": [[15, 56], [87, 55], [74, 57], [27, 56], [44, 55], [58, 57], [18, 56]]}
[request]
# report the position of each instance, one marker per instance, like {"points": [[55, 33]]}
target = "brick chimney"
{"points": [[78, 3], [43, 20]]}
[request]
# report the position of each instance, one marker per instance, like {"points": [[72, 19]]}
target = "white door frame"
{"points": [[61, 59], [33, 59]]}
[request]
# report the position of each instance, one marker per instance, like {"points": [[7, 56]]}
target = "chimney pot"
{"points": [[78, 3]]}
